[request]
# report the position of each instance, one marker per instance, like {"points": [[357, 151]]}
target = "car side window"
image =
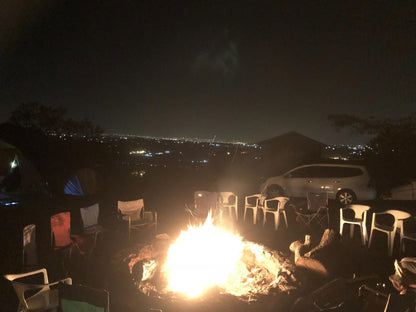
{"points": [[322, 172], [346, 172], [305, 172]]}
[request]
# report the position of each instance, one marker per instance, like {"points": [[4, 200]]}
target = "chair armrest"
{"points": [[12, 277], [67, 280], [253, 196], [256, 196]]}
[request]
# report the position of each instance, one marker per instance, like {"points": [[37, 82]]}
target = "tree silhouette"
{"points": [[391, 159], [51, 120]]}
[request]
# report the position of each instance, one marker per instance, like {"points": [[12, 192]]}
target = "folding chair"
{"points": [[63, 241], [89, 217], [29, 254], [315, 212], [35, 296], [74, 298], [133, 212], [329, 297], [61, 233], [204, 203]]}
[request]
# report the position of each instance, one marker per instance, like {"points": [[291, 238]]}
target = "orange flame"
{"points": [[207, 256]]}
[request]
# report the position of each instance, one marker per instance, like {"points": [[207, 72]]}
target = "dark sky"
{"points": [[246, 70]]}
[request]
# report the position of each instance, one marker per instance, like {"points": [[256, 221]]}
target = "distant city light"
{"points": [[140, 152]]}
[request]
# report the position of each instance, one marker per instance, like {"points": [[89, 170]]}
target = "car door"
{"points": [[322, 179], [298, 181]]}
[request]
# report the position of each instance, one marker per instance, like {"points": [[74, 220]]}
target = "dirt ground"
{"points": [[167, 196]]}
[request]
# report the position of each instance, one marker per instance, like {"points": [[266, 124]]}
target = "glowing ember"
{"points": [[206, 256]]}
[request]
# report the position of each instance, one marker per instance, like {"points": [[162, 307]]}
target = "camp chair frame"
{"points": [[44, 299], [317, 210], [199, 210], [89, 217], [134, 213]]}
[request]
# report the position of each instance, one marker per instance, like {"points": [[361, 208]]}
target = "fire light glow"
{"points": [[207, 256]]}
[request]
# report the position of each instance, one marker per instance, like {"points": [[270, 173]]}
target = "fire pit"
{"points": [[209, 266]]}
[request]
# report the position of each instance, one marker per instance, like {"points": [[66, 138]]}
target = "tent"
{"points": [[83, 182], [17, 173]]}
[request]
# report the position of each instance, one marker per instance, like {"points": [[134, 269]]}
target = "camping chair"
{"points": [[359, 217], [388, 222], [29, 254], [330, 296], [316, 210], [205, 202], [276, 211], [89, 217], [254, 202], [73, 298], [61, 233], [229, 200], [63, 241], [133, 212], [36, 296], [407, 232]]}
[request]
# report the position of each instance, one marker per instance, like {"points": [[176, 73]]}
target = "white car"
{"points": [[345, 183]]}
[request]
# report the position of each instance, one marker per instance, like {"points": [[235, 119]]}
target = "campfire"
{"points": [[207, 258]]}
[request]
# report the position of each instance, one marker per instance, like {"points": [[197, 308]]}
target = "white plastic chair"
{"points": [[29, 255], [89, 217], [387, 227], [253, 202], [406, 233], [46, 298], [133, 212], [280, 209], [359, 218], [229, 200]]}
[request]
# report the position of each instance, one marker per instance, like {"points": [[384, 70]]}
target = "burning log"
{"points": [[207, 260]]}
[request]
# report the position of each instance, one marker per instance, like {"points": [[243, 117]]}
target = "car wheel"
{"points": [[274, 191], [346, 197]]}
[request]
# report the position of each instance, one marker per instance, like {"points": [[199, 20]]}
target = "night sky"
{"points": [[240, 70]]}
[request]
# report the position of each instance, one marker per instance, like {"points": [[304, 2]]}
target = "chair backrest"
{"points": [[282, 202], [261, 199], [358, 210], [399, 214], [317, 201], [73, 298], [21, 287], [30, 257], [149, 216], [61, 229], [205, 201], [227, 198], [132, 206], [89, 215]]}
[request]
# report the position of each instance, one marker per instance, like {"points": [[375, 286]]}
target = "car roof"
{"points": [[330, 165]]}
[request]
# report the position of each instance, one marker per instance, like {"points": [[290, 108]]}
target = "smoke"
{"points": [[223, 60]]}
